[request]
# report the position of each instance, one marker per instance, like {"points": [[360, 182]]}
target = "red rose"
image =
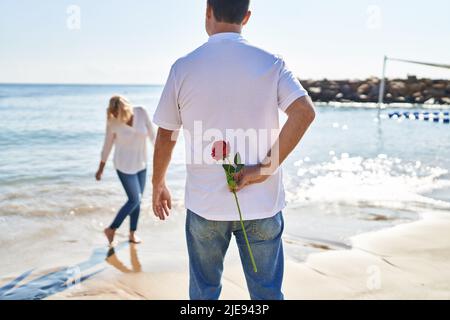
{"points": [[220, 150]]}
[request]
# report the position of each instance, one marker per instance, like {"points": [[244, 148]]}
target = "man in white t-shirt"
{"points": [[230, 90]]}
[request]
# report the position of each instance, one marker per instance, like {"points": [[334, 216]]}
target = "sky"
{"points": [[136, 41]]}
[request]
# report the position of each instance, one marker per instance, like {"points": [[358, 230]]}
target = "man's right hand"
{"points": [[162, 202], [249, 175]]}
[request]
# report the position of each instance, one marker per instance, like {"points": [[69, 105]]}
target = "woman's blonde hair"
{"points": [[120, 106]]}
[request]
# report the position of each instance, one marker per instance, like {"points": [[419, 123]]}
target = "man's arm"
{"points": [[165, 142], [300, 116]]}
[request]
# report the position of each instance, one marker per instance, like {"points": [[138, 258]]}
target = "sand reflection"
{"points": [[114, 260]]}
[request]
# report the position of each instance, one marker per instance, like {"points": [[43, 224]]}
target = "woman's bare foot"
{"points": [[134, 239], [109, 233]]}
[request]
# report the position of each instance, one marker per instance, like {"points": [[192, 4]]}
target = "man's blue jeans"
{"points": [[134, 185], [208, 242]]}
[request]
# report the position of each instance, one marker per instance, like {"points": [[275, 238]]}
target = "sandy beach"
{"points": [[408, 261]]}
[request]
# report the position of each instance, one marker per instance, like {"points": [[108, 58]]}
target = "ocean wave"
{"points": [[48, 137], [380, 182]]}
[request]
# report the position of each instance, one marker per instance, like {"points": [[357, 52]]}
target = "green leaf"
{"points": [[232, 184], [237, 159], [229, 168], [239, 167]]}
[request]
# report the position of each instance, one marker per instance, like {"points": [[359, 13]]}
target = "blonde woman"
{"points": [[127, 129]]}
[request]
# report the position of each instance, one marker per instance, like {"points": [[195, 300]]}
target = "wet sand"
{"points": [[408, 261]]}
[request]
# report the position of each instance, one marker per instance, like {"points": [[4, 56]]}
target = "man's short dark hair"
{"points": [[229, 11]]}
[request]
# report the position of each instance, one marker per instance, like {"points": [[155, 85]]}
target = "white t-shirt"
{"points": [[130, 154], [228, 85]]}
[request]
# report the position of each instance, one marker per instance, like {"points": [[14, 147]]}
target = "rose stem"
{"points": [[245, 233], [243, 227]]}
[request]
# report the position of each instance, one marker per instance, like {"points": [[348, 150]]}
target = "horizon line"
{"points": [[79, 84], [162, 84]]}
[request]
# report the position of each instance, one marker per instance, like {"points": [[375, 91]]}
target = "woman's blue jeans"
{"points": [[134, 185], [208, 242]]}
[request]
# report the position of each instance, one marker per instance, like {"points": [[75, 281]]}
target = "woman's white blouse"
{"points": [[130, 154]]}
